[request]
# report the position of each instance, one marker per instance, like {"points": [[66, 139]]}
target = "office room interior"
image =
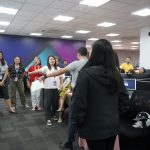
{"points": [[58, 29]]}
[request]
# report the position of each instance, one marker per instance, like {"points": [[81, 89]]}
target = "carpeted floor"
{"points": [[27, 130]]}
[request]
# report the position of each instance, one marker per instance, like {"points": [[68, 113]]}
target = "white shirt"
{"points": [[51, 82], [3, 68]]}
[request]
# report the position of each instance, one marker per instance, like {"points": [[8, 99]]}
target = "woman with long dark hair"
{"points": [[16, 73], [99, 98], [51, 86], [4, 82]]}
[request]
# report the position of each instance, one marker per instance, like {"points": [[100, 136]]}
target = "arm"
{"points": [[78, 104], [35, 72], [61, 82], [5, 75], [57, 72], [4, 78], [72, 66]]}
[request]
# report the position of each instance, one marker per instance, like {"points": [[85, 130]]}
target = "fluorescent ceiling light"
{"points": [[6, 10], [94, 3], [67, 36], [144, 12], [135, 43], [1, 31], [93, 39], [117, 45], [116, 41], [112, 34], [36, 34], [4, 23], [63, 18], [106, 24], [134, 46], [83, 31], [119, 48]]}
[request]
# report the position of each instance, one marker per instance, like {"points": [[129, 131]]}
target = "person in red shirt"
{"points": [[35, 95]]}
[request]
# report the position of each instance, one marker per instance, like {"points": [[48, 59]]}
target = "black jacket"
{"points": [[93, 108]]}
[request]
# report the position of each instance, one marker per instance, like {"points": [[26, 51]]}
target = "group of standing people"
{"points": [[11, 80], [99, 96]]}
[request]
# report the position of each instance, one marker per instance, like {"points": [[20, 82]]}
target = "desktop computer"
{"points": [[130, 85]]}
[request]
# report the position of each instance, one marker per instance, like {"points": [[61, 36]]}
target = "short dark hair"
{"points": [[83, 51]]}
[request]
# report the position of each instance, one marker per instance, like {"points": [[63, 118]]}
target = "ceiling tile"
{"points": [[61, 4]]}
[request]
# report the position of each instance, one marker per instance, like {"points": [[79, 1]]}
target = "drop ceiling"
{"points": [[37, 16]]}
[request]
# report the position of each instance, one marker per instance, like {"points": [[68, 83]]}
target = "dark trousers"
{"points": [[14, 86], [51, 98], [104, 144], [72, 129]]}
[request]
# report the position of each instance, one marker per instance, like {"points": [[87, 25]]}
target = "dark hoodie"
{"points": [[94, 108]]}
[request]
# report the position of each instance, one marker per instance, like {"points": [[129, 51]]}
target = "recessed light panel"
{"points": [[116, 41], [4, 23], [1, 31], [67, 36], [83, 31], [63, 18], [106, 24], [93, 39], [6, 10], [36, 34], [144, 12], [112, 34], [94, 3]]}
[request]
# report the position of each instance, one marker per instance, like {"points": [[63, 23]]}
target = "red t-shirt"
{"points": [[34, 77]]}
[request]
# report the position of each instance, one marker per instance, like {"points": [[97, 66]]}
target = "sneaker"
{"points": [[59, 109], [59, 120], [39, 108], [27, 106], [49, 123], [13, 107], [66, 146], [33, 109], [54, 118]]}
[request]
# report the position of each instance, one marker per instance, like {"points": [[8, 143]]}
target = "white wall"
{"points": [[145, 48], [122, 54]]}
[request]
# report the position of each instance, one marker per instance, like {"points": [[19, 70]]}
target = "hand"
{"points": [[60, 87], [29, 73], [41, 78], [2, 83]]}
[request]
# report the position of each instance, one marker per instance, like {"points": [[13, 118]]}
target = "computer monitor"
{"points": [[130, 84]]}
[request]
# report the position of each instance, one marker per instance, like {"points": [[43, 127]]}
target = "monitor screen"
{"points": [[130, 84]]}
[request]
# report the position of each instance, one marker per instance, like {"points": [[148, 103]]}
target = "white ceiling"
{"points": [[37, 16]]}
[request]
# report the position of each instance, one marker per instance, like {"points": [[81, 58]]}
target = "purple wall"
{"points": [[29, 47]]}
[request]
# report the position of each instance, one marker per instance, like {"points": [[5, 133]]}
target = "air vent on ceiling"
{"points": [[52, 31]]}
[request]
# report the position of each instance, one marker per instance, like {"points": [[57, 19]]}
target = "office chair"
{"points": [[133, 137]]}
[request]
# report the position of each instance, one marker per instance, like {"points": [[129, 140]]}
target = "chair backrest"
{"points": [[139, 102], [143, 84]]}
